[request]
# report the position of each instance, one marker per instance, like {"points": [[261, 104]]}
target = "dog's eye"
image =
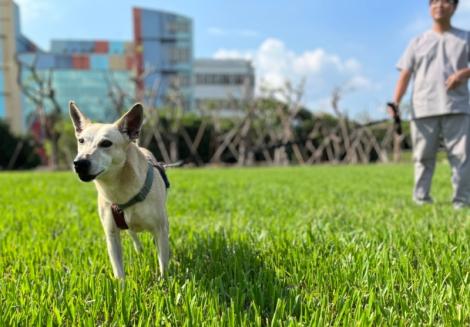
{"points": [[81, 140], [105, 144]]}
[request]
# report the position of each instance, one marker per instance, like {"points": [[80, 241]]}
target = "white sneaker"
{"points": [[461, 205], [422, 202]]}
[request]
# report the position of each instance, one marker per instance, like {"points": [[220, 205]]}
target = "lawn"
{"points": [[305, 246]]}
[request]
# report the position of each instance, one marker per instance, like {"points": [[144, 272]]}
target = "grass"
{"points": [[279, 246]]}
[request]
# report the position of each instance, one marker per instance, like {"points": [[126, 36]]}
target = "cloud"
{"points": [[217, 31], [322, 71], [318, 60]]}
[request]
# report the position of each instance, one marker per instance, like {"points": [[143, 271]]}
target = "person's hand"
{"points": [[392, 109], [454, 80]]}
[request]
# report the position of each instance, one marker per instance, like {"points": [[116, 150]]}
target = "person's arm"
{"points": [[400, 89], [457, 78]]}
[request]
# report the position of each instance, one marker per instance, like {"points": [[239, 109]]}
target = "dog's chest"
{"points": [[140, 220], [136, 221]]}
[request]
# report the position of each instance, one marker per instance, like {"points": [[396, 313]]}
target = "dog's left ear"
{"points": [[132, 121]]}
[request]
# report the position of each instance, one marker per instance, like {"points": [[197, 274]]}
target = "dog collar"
{"points": [[118, 209]]}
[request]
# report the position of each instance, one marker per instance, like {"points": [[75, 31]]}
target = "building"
{"points": [[11, 43], [164, 56], [105, 77], [223, 84], [100, 75]]}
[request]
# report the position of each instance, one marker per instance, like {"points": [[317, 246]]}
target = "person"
{"points": [[438, 61]]}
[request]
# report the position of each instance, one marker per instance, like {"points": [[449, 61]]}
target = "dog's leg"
{"points": [[136, 241], [113, 238], [160, 237], [113, 241]]}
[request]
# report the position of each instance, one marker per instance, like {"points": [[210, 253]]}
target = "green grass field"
{"points": [[267, 246]]}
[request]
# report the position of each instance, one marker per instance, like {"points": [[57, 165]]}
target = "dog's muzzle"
{"points": [[82, 168]]}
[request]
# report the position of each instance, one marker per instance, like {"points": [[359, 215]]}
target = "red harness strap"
{"points": [[118, 215]]}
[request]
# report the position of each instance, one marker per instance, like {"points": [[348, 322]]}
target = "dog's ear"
{"points": [[78, 119], [132, 121]]}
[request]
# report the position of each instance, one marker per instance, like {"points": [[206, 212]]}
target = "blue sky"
{"points": [[352, 44]]}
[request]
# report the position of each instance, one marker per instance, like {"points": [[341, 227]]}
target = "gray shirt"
{"points": [[432, 58]]}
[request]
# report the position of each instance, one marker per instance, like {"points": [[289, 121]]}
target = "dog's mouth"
{"points": [[88, 177]]}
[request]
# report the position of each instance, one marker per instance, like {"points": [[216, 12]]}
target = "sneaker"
{"points": [[461, 205], [422, 202]]}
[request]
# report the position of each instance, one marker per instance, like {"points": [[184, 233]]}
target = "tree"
{"points": [[37, 87]]}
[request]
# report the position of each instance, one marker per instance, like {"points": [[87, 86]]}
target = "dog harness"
{"points": [[118, 209]]}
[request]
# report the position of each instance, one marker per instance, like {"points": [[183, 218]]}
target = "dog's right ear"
{"points": [[131, 123], [78, 119]]}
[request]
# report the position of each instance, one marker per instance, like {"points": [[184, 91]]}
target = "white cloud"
{"points": [[322, 71], [318, 60]]}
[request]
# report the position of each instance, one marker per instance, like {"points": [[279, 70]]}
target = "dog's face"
{"points": [[103, 147]]}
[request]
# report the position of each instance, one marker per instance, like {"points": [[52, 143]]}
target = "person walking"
{"points": [[438, 61]]}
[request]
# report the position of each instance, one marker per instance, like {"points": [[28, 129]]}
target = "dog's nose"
{"points": [[82, 165]]}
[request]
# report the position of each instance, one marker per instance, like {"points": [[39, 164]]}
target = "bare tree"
{"points": [[262, 131], [39, 90]]}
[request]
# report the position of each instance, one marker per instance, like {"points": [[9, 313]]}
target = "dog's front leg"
{"points": [[113, 240]]}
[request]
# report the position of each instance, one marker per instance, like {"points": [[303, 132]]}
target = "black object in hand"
{"points": [[396, 118]]}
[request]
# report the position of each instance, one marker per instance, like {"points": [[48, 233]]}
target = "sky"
{"points": [[342, 43]]}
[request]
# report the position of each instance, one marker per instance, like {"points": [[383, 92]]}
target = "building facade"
{"points": [[226, 85], [102, 76], [105, 77], [11, 43], [164, 57], [98, 75]]}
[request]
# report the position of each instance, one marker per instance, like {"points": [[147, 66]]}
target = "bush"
{"points": [[16, 152]]}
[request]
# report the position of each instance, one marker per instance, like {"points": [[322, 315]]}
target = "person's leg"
{"points": [[456, 132], [425, 137]]}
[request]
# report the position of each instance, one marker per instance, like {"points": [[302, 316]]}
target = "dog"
{"points": [[131, 184]]}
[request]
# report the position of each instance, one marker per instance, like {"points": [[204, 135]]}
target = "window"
{"points": [[179, 55], [221, 79], [178, 26], [180, 80]]}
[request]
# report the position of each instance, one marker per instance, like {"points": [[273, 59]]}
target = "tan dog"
{"points": [[124, 178]]}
